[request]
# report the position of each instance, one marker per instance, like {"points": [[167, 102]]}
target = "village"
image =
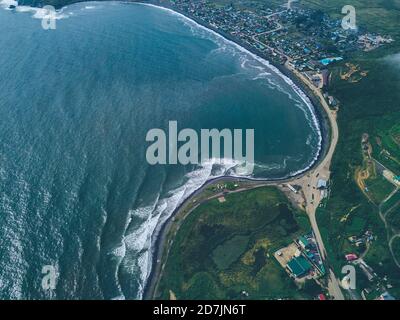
{"points": [[309, 39]]}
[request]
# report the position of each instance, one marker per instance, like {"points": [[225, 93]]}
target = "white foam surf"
{"points": [[38, 13], [7, 3], [140, 241], [226, 43]]}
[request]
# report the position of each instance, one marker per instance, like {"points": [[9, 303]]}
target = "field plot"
{"points": [[392, 202], [379, 189], [387, 150]]}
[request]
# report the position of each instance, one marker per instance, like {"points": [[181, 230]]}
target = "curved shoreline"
{"points": [[324, 130], [162, 234], [319, 119], [298, 86]]}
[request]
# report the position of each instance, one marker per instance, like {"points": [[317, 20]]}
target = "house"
{"points": [[332, 101], [325, 77], [322, 184], [351, 257], [303, 242], [221, 199], [321, 297], [313, 65], [386, 296]]}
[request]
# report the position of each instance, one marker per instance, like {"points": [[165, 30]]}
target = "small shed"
{"points": [[322, 184], [303, 242]]}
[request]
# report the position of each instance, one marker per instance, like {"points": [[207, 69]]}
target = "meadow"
{"points": [[225, 250]]}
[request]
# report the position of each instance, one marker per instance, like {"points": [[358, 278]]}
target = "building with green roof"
{"points": [[299, 267]]}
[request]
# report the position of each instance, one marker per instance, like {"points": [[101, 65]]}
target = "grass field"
{"points": [[379, 189], [387, 148], [223, 249], [393, 201], [375, 15]]}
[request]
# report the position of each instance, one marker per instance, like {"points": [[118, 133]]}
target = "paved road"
{"points": [[322, 171]]}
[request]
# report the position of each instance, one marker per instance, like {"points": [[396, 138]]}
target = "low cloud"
{"points": [[394, 60]]}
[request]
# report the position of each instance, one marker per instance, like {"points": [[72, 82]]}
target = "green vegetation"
{"points": [[393, 218], [392, 202], [379, 189], [387, 148], [369, 106], [375, 15], [396, 248], [356, 224], [223, 249], [229, 251]]}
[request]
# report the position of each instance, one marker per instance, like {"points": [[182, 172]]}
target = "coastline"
{"points": [[160, 244], [320, 118]]}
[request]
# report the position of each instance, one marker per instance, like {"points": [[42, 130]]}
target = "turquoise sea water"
{"points": [[76, 104]]}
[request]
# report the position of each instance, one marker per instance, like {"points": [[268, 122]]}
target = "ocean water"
{"points": [[76, 103]]}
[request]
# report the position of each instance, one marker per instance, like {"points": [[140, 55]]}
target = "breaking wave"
{"points": [[136, 250], [38, 13], [135, 253], [264, 68]]}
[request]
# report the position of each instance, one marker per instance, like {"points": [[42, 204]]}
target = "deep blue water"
{"points": [[75, 105]]}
